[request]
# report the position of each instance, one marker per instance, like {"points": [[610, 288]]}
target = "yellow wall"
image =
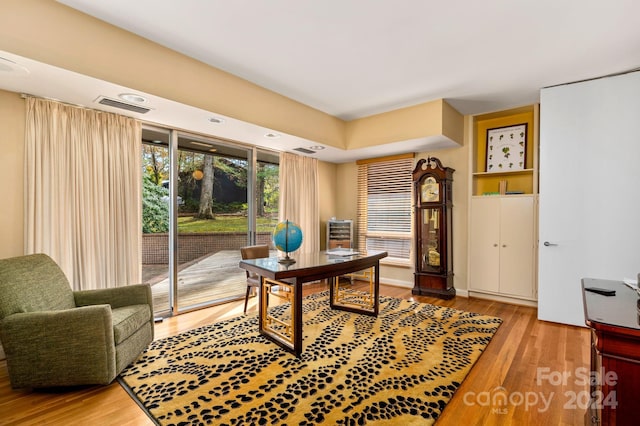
{"points": [[452, 123], [327, 197], [347, 191], [424, 120], [12, 119]]}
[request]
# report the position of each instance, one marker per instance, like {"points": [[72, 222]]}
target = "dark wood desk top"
{"points": [[615, 353], [312, 266], [620, 310]]}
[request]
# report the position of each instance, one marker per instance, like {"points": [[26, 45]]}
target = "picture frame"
{"points": [[506, 148]]}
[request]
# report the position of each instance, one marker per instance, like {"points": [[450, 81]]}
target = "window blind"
{"points": [[384, 206]]}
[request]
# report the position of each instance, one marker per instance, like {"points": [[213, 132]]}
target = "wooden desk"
{"points": [[615, 353], [285, 281]]}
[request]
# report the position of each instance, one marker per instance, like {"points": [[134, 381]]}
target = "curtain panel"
{"points": [[299, 197], [83, 192]]}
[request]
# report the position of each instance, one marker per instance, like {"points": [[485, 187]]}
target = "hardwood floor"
{"points": [[538, 369]]}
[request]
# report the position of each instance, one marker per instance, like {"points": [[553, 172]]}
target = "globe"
{"points": [[287, 237]]}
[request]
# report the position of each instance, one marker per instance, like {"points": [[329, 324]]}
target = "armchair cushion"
{"points": [[131, 307], [127, 320]]}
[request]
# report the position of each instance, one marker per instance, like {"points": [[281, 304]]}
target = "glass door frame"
{"points": [[173, 137], [173, 223], [174, 307]]}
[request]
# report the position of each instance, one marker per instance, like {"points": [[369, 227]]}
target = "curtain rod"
{"points": [[27, 95]]}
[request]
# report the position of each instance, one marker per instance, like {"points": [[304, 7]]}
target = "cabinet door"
{"points": [[484, 254], [517, 246]]}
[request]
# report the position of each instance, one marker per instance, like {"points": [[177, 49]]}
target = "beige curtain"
{"points": [[83, 192], [299, 197]]}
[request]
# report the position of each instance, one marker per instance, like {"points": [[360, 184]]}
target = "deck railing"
{"points": [[191, 246]]}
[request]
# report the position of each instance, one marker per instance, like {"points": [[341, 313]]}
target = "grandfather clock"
{"points": [[432, 215]]}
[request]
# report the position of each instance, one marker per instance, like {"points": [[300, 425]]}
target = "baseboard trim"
{"points": [[503, 299], [396, 283], [407, 284]]}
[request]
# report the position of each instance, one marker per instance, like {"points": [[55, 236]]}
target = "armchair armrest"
{"points": [[61, 348], [138, 294]]}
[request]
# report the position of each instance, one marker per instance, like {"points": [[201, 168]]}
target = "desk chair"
{"points": [[253, 280]]}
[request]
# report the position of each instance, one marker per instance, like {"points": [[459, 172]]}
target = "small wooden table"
{"points": [[285, 281], [615, 353]]}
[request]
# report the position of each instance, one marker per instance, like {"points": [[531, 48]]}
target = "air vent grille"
{"points": [[123, 105], [305, 150]]}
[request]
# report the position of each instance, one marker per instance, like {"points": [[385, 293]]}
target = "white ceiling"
{"points": [[353, 58]]}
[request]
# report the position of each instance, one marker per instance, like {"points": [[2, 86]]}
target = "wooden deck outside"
{"points": [[209, 280]]}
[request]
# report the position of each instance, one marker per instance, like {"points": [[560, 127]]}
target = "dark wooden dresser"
{"points": [[615, 353]]}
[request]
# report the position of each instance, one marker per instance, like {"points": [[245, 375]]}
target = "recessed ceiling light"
{"points": [[216, 120], [317, 147], [272, 135], [132, 97]]}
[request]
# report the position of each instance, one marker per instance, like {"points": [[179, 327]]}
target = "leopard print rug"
{"points": [[399, 368]]}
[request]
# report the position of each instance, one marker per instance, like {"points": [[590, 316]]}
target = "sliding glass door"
{"points": [[212, 221], [217, 197]]}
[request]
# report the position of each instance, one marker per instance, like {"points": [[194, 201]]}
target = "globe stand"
{"points": [[287, 260]]}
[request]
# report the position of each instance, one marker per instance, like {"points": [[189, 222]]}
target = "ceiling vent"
{"points": [[304, 150], [103, 100]]}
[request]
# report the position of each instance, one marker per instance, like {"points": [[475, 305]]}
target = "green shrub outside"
{"points": [[155, 207]]}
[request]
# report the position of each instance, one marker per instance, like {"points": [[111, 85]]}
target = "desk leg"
{"points": [[263, 304], [332, 291], [297, 317], [376, 289], [367, 303], [285, 331]]}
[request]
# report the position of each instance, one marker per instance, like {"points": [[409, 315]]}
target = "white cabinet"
{"points": [[502, 246]]}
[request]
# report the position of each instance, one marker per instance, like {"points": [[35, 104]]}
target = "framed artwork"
{"points": [[506, 148]]}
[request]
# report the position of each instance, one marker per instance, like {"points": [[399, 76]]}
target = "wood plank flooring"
{"points": [[532, 373]]}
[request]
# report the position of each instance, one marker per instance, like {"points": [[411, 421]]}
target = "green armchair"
{"points": [[53, 336]]}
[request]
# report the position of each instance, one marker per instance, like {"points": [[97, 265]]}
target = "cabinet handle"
{"points": [[548, 244], [504, 245], [495, 245]]}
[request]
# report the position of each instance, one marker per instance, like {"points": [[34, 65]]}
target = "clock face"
{"points": [[430, 190]]}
